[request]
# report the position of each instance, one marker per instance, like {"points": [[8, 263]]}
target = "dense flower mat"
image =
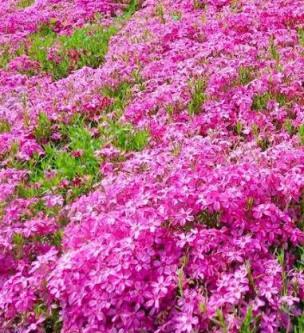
{"points": [[152, 166]]}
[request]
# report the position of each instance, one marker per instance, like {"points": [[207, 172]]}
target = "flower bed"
{"points": [[153, 181]]}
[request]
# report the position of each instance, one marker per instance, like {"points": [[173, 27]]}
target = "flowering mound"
{"points": [[152, 167]]}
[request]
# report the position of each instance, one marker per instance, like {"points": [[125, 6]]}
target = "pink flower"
{"points": [[186, 322], [77, 153]]}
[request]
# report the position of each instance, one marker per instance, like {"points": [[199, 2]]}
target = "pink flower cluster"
{"points": [[64, 15], [202, 226]]}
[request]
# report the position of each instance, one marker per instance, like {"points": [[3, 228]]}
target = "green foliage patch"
{"points": [[198, 96], [25, 3]]}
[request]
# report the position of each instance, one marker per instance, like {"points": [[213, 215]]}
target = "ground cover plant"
{"points": [[151, 166]]}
